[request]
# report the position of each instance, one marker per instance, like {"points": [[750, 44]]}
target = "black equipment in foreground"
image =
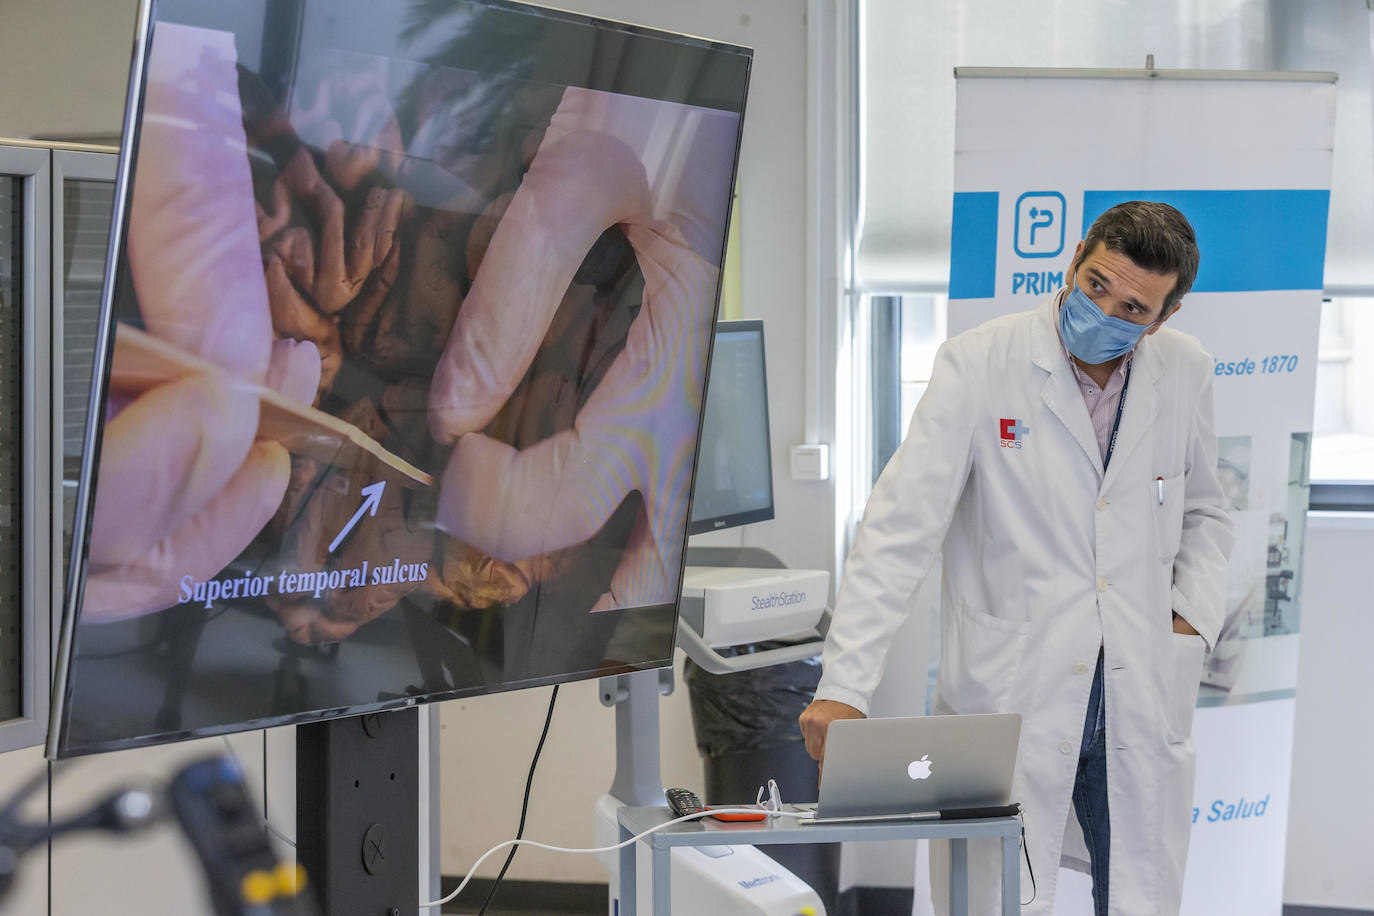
{"points": [[211, 802]]}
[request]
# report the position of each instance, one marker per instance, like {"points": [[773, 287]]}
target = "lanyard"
{"points": [[1116, 424]]}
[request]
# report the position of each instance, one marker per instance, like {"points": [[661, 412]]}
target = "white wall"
{"points": [[30, 891], [487, 744], [64, 67], [151, 873], [1331, 806]]}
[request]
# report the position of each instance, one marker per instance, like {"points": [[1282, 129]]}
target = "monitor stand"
{"points": [[357, 812]]}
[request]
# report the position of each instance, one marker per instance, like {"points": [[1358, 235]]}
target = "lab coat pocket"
{"points": [[1180, 699], [1166, 499], [980, 658]]}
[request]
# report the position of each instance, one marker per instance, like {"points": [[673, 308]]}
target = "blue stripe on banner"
{"points": [[1250, 240], [973, 246]]}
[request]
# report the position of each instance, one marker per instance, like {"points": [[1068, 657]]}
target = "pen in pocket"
{"points": [[1159, 489]]}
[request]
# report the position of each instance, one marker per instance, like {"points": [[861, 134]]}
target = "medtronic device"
{"points": [[731, 605]]}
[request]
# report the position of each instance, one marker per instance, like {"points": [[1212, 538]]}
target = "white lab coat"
{"points": [[1046, 559]]}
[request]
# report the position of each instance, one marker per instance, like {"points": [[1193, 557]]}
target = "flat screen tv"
{"points": [[399, 383], [734, 484]]}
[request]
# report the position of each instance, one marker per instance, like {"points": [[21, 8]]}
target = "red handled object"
{"points": [[738, 815]]}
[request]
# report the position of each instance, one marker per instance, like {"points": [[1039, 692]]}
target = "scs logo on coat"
{"points": [[1012, 433]]}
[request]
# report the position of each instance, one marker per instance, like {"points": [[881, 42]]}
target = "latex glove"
{"points": [[661, 171], [182, 485]]}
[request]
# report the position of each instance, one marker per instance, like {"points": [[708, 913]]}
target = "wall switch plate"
{"points": [[810, 462]]}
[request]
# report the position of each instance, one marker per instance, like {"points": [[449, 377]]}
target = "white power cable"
{"points": [[634, 839], [769, 811], [265, 822]]}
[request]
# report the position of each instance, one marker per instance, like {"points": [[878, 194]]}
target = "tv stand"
{"points": [[357, 812]]}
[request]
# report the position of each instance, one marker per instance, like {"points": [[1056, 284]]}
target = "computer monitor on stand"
{"points": [[734, 484], [735, 595]]}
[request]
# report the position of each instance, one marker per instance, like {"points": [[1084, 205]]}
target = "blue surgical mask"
{"points": [[1090, 333]]}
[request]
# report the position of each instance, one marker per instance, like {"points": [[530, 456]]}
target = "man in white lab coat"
{"points": [[1064, 459]]}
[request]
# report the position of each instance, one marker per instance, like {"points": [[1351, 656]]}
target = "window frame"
{"points": [[33, 163], [1342, 496], [95, 164]]}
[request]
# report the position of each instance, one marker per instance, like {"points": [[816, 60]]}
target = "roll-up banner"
{"points": [[1246, 157]]}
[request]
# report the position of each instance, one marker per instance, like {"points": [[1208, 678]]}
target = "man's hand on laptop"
{"points": [[815, 720]]}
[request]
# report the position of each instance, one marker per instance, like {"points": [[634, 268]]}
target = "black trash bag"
{"points": [[750, 710], [747, 732]]}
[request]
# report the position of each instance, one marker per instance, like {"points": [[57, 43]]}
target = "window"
{"points": [[904, 330], [25, 177], [1343, 423], [87, 205], [1343, 426], [12, 264]]}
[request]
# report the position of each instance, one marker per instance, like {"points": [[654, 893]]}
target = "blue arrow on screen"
{"points": [[369, 507]]}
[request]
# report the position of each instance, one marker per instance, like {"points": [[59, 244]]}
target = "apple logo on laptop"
{"points": [[919, 769]]}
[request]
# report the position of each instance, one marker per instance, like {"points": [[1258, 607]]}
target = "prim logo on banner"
{"points": [[1039, 233]]}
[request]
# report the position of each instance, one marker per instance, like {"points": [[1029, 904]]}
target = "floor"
{"points": [[529, 898], [1287, 911], [542, 898]]}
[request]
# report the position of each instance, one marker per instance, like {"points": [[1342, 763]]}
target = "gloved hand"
{"points": [[182, 486], [662, 172]]}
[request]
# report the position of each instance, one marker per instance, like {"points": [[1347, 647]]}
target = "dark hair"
{"points": [[1154, 235]]}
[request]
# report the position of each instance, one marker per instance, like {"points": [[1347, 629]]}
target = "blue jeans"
{"points": [[1090, 791]]}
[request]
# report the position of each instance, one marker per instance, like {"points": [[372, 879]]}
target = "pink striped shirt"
{"points": [[1101, 402]]}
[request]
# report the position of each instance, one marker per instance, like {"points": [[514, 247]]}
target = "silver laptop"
{"points": [[900, 769]]}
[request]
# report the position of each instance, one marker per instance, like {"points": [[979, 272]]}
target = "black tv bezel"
{"points": [[736, 519], [57, 746]]}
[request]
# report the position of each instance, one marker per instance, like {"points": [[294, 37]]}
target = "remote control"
{"points": [[226, 832], [684, 802]]}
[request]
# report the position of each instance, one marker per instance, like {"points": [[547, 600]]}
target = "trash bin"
{"points": [[746, 730]]}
